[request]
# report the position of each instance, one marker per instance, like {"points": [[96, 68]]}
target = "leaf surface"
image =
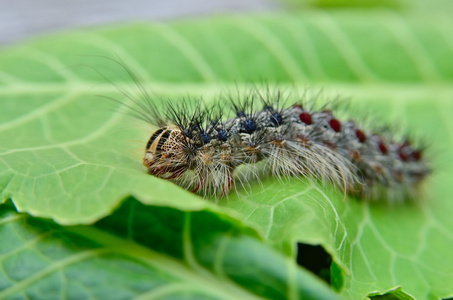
{"points": [[66, 153], [138, 253]]}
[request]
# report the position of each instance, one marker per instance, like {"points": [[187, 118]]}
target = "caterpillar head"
{"points": [[166, 153]]}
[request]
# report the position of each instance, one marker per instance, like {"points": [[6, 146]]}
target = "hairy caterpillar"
{"points": [[200, 148]]}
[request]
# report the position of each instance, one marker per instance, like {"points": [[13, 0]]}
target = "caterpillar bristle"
{"points": [[205, 148]]}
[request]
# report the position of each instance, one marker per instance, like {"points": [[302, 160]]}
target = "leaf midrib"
{"points": [[205, 280], [154, 87]]}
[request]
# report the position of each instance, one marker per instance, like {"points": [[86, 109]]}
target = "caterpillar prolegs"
{"points": [[199, 148]]}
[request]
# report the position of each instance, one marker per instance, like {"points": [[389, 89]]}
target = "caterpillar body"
{"points": [[196, 147]]}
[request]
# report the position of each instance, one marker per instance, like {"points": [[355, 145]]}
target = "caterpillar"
{"points": [[198, 147]]}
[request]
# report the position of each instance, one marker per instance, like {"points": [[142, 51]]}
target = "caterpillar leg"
{"points": [[228, 184], [177, 173], [199, 186]]}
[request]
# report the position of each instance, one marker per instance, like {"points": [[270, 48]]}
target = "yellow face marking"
{"points": [[156, 141], [165, 152]]}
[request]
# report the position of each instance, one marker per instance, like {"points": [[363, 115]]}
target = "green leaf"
{"points": [[395, 294], [66, 154], [145, 252]]}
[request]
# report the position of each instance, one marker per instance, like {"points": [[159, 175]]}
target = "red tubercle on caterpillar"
{"points": [[406, 153], [383, 147], [402, 154], [417, 155], [335, 125], [306, 118], [360, 135]]}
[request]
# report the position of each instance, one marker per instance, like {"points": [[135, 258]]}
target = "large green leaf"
{"points": [[145, 252], [66, 154]]}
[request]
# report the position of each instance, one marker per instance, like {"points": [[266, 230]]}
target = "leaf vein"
{"points": [[352, 57], [187, 48], [312, 59], [274, 45], [120, 52], [57, 265], [38, 112], [405, 37], [56, 65]]}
